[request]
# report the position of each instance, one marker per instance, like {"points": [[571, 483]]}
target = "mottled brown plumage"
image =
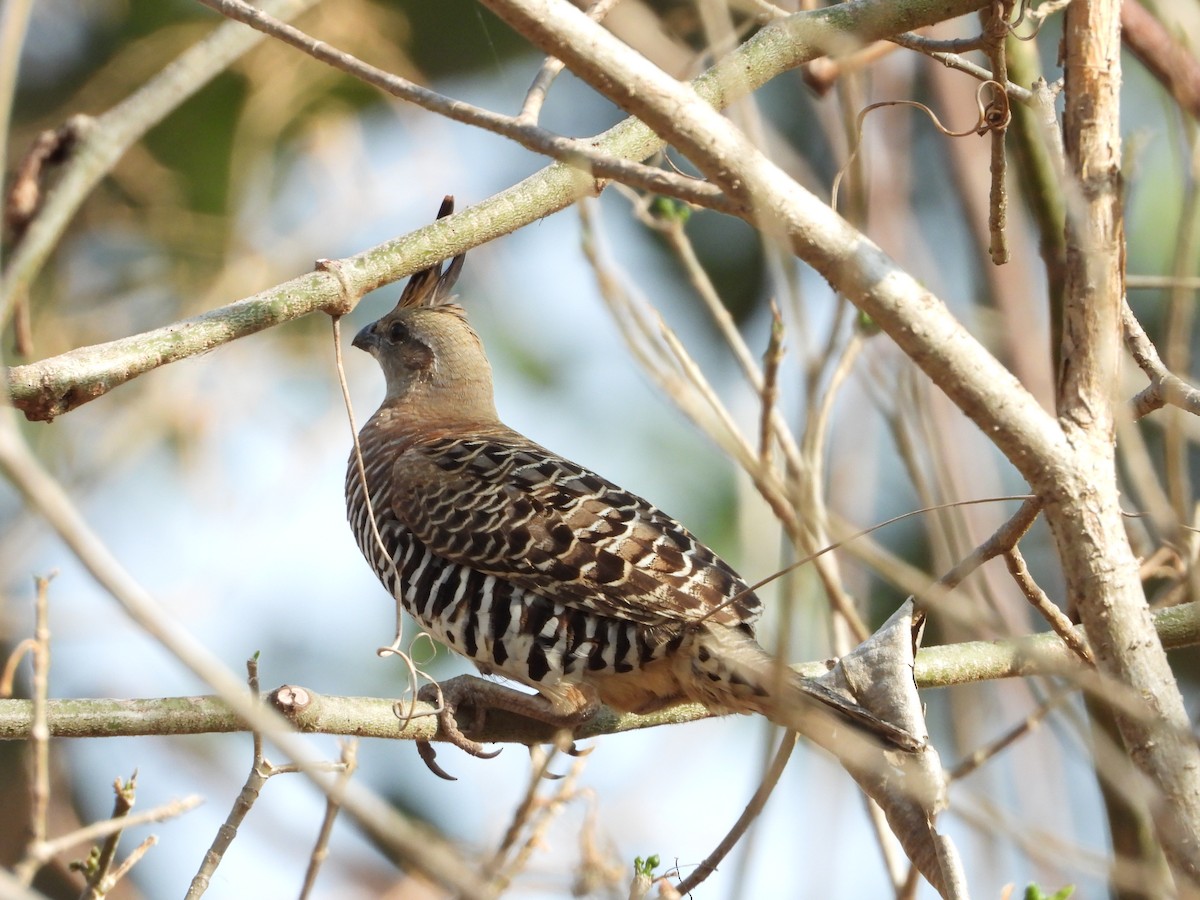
{"points": [[536, 568]]}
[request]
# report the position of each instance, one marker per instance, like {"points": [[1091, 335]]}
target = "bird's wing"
{"points": [[509, 508]]}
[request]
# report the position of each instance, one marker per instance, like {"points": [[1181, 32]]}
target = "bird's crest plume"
{"points": [[432, 287]]}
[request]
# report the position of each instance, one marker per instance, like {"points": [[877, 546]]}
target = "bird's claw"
{"points": [[449, 700], [564, 744], [429, 757]]}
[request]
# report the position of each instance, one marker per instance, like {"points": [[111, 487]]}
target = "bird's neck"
{"points": [[402, 423]]}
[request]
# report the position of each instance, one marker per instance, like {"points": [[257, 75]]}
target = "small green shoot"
{"points": [[670, 210], [646, 866], [1033, 892]]}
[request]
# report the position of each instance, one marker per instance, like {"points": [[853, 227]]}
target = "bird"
{"points": [[539, 570]]}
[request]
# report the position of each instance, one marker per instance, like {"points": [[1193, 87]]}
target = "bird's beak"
{"points": [[366, 339]]}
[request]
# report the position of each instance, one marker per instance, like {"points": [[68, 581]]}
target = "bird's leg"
{"points": [[573, 707]]}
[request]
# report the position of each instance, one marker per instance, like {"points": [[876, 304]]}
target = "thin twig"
{"points": [[333, 805], [536, 95], [531, 109], [749, 814], [930, 46], [1162, 282], [978, 757], [672, 229], [39, 738], [132, 860], [534, 815], [582, 155], [1165, 387], [1037, 145], [23, 199], [9, 673], [995, 33], [1178, 323], [1037, 597], [895, 862], [542, 758], [100, 882], [260, 772], [807, 482], [97, 830], [954, 61], [1001, 541], [770, 387], [40, 735], [596, 869]]}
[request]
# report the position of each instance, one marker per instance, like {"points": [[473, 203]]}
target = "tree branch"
{"points": [[580, 154], [107, 137], [373, 717], [914, 318], [1083, 504], [49, 388], [1165, 386]]}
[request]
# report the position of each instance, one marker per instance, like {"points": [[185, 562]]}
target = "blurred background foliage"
{"points": [[218, 481]]}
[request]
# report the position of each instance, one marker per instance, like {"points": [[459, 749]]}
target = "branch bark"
{"points": [[1082, 506], [942, 666]]}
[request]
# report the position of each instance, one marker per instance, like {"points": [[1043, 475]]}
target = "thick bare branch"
{"points": [[1082, 506], [912, 316], [942, 666]]}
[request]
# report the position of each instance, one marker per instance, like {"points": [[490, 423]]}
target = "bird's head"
{"points": [[432, 360]]}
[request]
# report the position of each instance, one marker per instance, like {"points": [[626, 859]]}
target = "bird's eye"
{"points": [[397, 332]]}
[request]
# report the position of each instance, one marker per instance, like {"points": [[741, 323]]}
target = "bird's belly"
{"points": [[518, 634]]}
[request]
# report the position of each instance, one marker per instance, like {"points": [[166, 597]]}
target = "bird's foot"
{"points": [[449, 698], [474, 697]]}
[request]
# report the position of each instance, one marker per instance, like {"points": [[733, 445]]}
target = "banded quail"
{"points": [[539, 570]]}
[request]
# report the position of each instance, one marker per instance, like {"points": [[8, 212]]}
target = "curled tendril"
{"points": [[1037, 16], [993, 115], [405, 709], [405, 713]]}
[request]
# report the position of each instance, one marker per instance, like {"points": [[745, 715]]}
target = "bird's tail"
{"points": [[732, 672]]}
